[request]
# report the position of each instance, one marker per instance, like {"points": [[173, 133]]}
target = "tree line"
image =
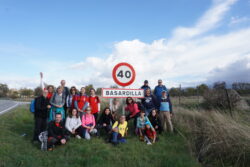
{"points": [[243, 88]]}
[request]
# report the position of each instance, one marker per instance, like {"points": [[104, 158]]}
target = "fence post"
{"points": [[229, 102], [180, 94]]}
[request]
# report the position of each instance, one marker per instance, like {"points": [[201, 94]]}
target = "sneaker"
{"points": [[78, 137], [149, 143]]}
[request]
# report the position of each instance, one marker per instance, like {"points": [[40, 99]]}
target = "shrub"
{"points": [[221, 98]]}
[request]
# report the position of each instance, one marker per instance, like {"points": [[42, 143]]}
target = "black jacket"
{"points": [[58, 132], [41, 110], [154, 121], [149, 102], [108, 119]]}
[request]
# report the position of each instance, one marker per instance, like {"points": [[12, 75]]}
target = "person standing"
{"points": [[70, 100], [158, 92], [81, 102], [145, 86], [94, 103], [166, 112], [50, 89], [65, 90], [149, 102], [41, 114], [57, 101], [115, 107]]}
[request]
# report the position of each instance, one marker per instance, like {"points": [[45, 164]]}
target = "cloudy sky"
{"points": [[180, 41]]}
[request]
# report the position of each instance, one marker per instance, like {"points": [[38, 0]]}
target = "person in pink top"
{"points": [[133, 110], [88, 124]]}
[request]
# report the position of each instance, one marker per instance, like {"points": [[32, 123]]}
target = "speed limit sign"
{"points": [[123, 74]]}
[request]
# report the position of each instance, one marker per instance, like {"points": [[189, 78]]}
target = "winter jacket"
{"points": [[57, 130], [149, 102], [158, 91], [107, 119], [133, 109], [155, 121], [41, 110], [145, 87], [141, 123]]}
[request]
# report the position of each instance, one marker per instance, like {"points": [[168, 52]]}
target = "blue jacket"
{"points": [[158, 90], [166, 105]]}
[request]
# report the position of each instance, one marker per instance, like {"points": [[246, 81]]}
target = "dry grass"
{"points": [[216, 138]]}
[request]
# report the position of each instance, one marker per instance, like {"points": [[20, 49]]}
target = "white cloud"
{"points": [[239, 20], [207, 22], [187, 57]]}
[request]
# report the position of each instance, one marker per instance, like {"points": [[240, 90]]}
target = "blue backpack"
{"points": [[32, 106]]}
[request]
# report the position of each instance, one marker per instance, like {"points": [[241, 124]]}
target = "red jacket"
{"points": [[93, 103], [133, 109]]}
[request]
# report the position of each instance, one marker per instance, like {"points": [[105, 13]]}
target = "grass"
{"points": [[216, 137], [17, 150]]}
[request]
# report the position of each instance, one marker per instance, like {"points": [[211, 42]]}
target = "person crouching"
{"points": [[119, 131], [88, 124], [57, 133]]}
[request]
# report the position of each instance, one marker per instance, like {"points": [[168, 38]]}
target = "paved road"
{"points": [[7, 105]]}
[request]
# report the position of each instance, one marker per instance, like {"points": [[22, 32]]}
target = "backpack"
{"points": [[32, 106], [43, 137]]}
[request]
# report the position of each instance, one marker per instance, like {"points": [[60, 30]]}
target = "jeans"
{"points": [[148, 111], [86, 133], [117, 138]]}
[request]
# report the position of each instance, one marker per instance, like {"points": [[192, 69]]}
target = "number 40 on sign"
{"points": [[123, 74]]}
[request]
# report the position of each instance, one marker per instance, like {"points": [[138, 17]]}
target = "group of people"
{"points": [[66, 113]]}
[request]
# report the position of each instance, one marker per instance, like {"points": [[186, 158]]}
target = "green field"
{"points": [[17, 150]]}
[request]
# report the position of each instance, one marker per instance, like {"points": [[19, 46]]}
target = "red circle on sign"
{"points": [[116, 79]]}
